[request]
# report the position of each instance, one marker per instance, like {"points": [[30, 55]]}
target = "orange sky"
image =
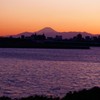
{"points": [[63, 15]]}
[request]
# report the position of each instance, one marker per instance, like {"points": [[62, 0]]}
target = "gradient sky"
{"points": [[63, 15]]}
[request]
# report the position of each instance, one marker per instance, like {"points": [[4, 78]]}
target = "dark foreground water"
{"points": [[25, 72]]}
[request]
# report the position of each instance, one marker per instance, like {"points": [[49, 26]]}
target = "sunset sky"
{"points": [[62, 15]]}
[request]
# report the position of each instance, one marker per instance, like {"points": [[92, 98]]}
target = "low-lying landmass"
{"points": [[41, 41], [85, 94]]}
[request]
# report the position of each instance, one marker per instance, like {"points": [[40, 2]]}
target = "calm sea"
{"points": [[25, 72]]}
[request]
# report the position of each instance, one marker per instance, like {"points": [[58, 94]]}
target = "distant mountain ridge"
{"points": [[49, 32], [23, 33]]}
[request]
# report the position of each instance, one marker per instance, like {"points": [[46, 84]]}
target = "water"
{"points": [[25, 72]]}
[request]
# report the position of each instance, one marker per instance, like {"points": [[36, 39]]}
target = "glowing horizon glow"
{"points": [[62, 15]]}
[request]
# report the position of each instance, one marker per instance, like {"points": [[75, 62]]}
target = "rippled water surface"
{"points": [[25, 72]]}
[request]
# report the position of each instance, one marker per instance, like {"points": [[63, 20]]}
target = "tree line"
{"points": [[41, 41]]}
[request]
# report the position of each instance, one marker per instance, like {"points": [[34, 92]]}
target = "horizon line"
{"points": [[51, 29]]}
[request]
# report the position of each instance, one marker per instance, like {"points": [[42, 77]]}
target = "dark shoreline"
{"points": [[41, 41], [47, 47], [90, 94]]}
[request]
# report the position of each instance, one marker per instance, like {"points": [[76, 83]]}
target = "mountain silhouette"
{"points": [[49, 32], [72, 34], [24, 33]]}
